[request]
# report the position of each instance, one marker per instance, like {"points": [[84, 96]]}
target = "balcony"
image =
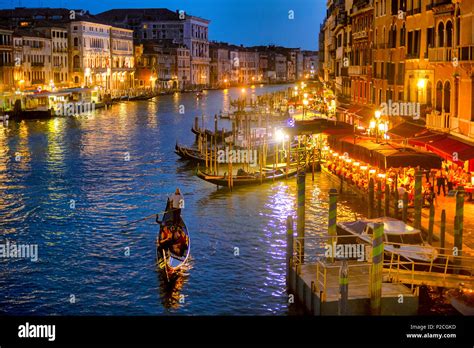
{"points": [[439, 121], [440, 54], [357, 70], [37, 64]]}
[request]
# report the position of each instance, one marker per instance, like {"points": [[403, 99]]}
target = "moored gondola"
{"points": [[172, 243], [188, 153], [245, 179]]}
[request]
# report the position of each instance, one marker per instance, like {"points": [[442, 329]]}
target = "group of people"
{"points": [[172, 235], [434, 182]]}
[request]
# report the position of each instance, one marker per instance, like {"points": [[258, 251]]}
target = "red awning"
{"points": [[426, 138], [449, 148]]}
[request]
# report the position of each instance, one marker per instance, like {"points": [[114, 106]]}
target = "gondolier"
{"points": [[177, 203]]}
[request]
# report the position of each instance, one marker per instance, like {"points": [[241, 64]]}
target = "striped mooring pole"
{"points": [[343, 288], [418, 199], [301, 183], [289, 248], [332, 220], [376, 270]]}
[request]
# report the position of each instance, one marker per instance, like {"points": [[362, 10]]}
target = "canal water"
{"points": [[68, 185]]}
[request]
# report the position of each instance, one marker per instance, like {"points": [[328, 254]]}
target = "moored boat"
{"points": [[399, 238], [245, 179], [189, 153], [172, 244]]}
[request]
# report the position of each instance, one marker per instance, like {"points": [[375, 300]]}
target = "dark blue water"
{"points": [[69, 184]]}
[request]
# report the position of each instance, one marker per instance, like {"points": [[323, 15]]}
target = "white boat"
{"points": [[399, 238]]}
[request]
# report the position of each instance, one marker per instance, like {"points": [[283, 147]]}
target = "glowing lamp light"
{"points": [[225, 81], [243, 90], [305, 102], [279, 135], [363, 168], [421, 83], [378, 113], [356, 164], [305, 96], [372, 171], [348, 160], [381, 176], [372, 124], [335, 154], [382, 127]]}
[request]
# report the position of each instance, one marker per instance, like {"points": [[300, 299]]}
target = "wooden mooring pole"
{"points": [[376, 270], [431, 223], [301, 184], [332, 218], [289, 248], [405, 207], [458, 232], [371, 199], [343, 288], [418, 199], [442, 232]]}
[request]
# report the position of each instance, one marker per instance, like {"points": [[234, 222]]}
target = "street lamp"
{"points": [[421, 86], [305, 103]]}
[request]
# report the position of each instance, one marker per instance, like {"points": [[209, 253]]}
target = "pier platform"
{"points": [[316, 287]]}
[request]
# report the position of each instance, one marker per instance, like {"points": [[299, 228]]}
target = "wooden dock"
{"points": [[316, 287]]}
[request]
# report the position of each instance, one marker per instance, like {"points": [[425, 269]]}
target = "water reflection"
{"points": [[85, 159]]}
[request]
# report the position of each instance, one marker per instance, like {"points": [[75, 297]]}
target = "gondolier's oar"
{"points": [[146, 218], [166, 265]]}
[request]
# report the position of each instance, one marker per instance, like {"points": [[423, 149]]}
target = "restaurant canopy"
{"points": [[406, 130], [384, 156]]}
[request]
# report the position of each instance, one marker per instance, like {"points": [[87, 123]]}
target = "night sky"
{"points": [[247, 22]]}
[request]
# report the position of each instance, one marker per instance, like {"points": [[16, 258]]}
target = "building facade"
{"points": [[122, 68], [7, 61]]}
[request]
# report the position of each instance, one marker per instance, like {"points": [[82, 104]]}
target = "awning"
{"points": [[384, 156], [406, 130], [450, 148], [425, 138]]}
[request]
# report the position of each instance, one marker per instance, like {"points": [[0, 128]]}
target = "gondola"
{"points": [[188, 153], [247, 178], [209, 134], [172, 256]]}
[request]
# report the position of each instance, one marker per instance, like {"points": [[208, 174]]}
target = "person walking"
{"points": [[441, 182]]}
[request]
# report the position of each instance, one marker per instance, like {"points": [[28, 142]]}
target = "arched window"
{"points": [[441, 34], [76, 79], [76, 62], [447, 97], [429, 92], [449, 34], [439, 96], [403, 34], [76, 42]]}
